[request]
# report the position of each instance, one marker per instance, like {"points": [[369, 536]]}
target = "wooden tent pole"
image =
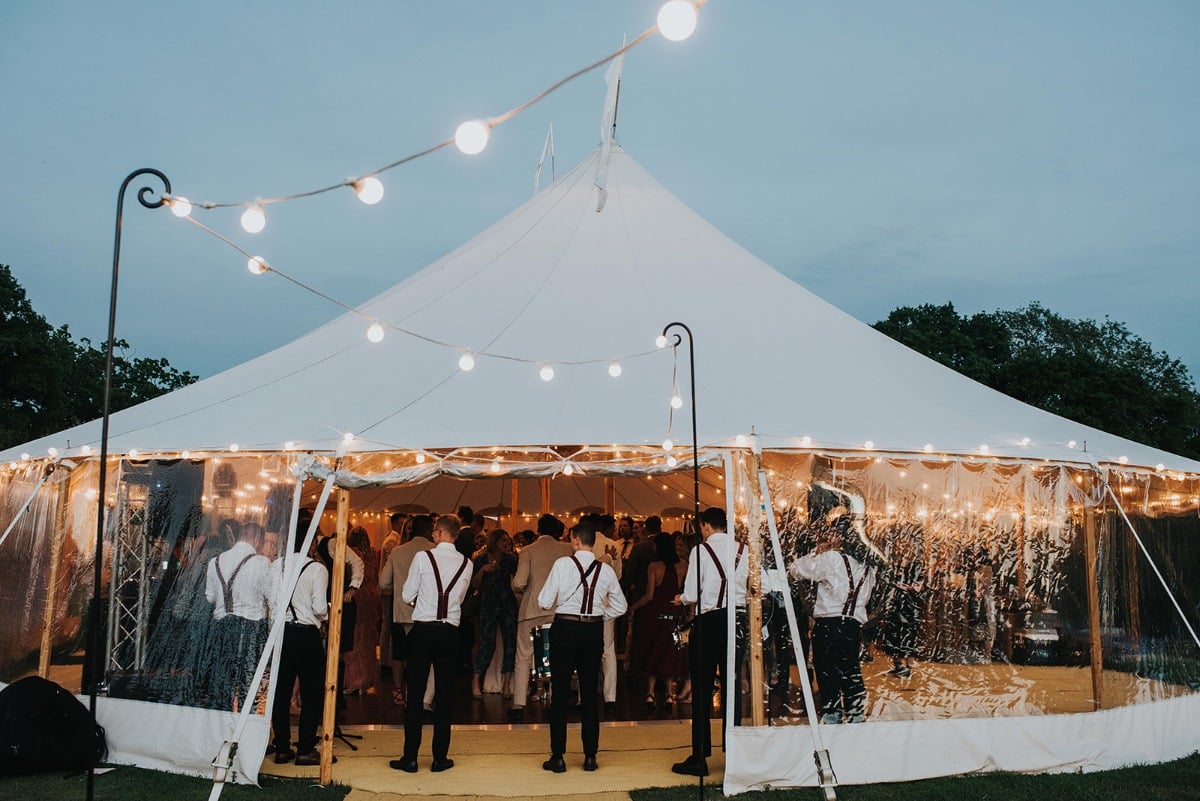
{"points": [[337, 591], [610, 495], [544, 484], [754, 623], [1093, 591], [57, 538], [515, 518]]}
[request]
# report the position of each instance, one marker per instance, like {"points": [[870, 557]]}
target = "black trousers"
{"points": [[837, 643], [706, 656], [302, 656], [430, 645], [575, 648]]}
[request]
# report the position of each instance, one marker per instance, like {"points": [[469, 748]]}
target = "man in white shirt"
{"points": [[240, 584], [436, 585], [391, 578], [583, 592], [709, 585], [844, 586], [607, 549], [302, 656], [533, 567]]}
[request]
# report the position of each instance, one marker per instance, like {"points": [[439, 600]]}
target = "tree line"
{"points": [[50, 381]]}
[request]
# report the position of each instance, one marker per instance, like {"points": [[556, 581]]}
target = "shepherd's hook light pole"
{"points": [[96, 640]]}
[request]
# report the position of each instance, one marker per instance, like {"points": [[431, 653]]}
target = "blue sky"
{"points": [[879, 153]]}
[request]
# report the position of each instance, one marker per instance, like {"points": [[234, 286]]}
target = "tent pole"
{"points": [[57, 537], [610, 495], [515, 517], [754, 606], [1093, 590], [333, 646], [544, 485], [28, 501]]}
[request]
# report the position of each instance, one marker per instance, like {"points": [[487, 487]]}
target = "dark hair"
{"points": [[664, 549], [397, 517], [465, 514], [422, 526], [252, 533], [550, 525], [654, 524], [493, 538], [235, 531], [715, 517], [585, 532], [608, 523]]}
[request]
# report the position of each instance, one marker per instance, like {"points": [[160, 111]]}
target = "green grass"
{"points": [[136, 784], [1172, 781]]}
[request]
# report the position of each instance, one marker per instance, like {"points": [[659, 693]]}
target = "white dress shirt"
{"points": [[564, 589], [828, 570], [310, 600], [708, 579], [253, 587], [421, 587]]}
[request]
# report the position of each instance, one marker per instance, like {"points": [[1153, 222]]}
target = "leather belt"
{"points": [[580, 618]]}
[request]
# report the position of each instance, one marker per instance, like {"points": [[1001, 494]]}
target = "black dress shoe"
{"points": [[692, 766], [610, 707], [441, 764], [284, 756], [404, 764], [555, 764], [313, 757], [517, 714], [589, 763]]}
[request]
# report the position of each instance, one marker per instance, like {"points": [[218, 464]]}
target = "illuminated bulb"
{"points": [[253, 219], [569, 469], [1123, 460], [547, 372], [133, 453], [180, 206], [52, 452], [347, 438], [24, 457], [983, 448], [257, 265], [466, 362], [660, 341], [369, 190], [672, 461], [928, 447], [805, 441], [668, 444], [869, 445], [420, 458], [375, 332], [614, 369], [234, 448], [186, 454], [289, 446], [1071, 444], [1159, 467], [677, 20], [86, 450], [495, 465], [1024, 442], [472, 137], [676, 402], [740, 439]]}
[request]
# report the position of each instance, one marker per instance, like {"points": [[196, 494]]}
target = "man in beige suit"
{"points": [[391, 578], [533, 566], [608, 550]]}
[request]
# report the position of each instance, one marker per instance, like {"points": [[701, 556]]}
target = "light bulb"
{"points": [[495, 465], [1123, 460], [234, 448], [24, 457], [677, 20], [672, 461], [186, 454], [983, 448], [86, 450], [253, 219], [869, 445], [660, 341], [668, 444], [928, 448], [569, 469], [472, 137], [420, 458], [466, 362], [289, 446], [1071, 444], [805, 441], [676, 402], [740, 439], [347, 438], [52, 452], [547, 372], [614, 369], [369, 190], [133, 453], [1159, 467], [257, 265], [375, 332], [180, 206]]}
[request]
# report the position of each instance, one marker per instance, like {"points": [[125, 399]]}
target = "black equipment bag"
{"points": [[44, 728]]}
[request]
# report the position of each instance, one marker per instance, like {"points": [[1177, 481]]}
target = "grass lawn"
{"points": [[1172, 781], [136, 784]]}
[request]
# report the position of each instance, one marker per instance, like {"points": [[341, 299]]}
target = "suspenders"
{"points": [[443, 595], [852, 598], [227, 586], [589, 593], [721, 571]]}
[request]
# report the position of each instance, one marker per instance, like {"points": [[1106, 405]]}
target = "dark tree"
{"points": [[49, 382], [1100, 374]]}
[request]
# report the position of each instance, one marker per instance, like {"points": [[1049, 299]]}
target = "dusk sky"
{"points": [[879, 153]]}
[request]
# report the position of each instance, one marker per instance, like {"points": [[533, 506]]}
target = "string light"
{"points": [[928, 447], [186, 454], [546, 373], [1071, 444], [289, 446], [495, 465], [676, 402], [805, 441], [869, 445], [180, 206], [133, 453], [677, 20], [740, 439], [253, 219], [668, 444], [614, 369], [257, 265], [660, 341], [421, 457], [375, 332], [672, 461], [86, 450], [369, 190], [52, 452], [1025, 442], [466, 362], [347, 437], [472, 137], [983, 448], [234, 448], [569, 469]]}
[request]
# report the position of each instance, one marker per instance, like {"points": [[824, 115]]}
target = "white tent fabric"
{"points": [[558, 282]]}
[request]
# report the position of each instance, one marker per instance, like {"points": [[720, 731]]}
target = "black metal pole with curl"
{"points": [[96, 640]]}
